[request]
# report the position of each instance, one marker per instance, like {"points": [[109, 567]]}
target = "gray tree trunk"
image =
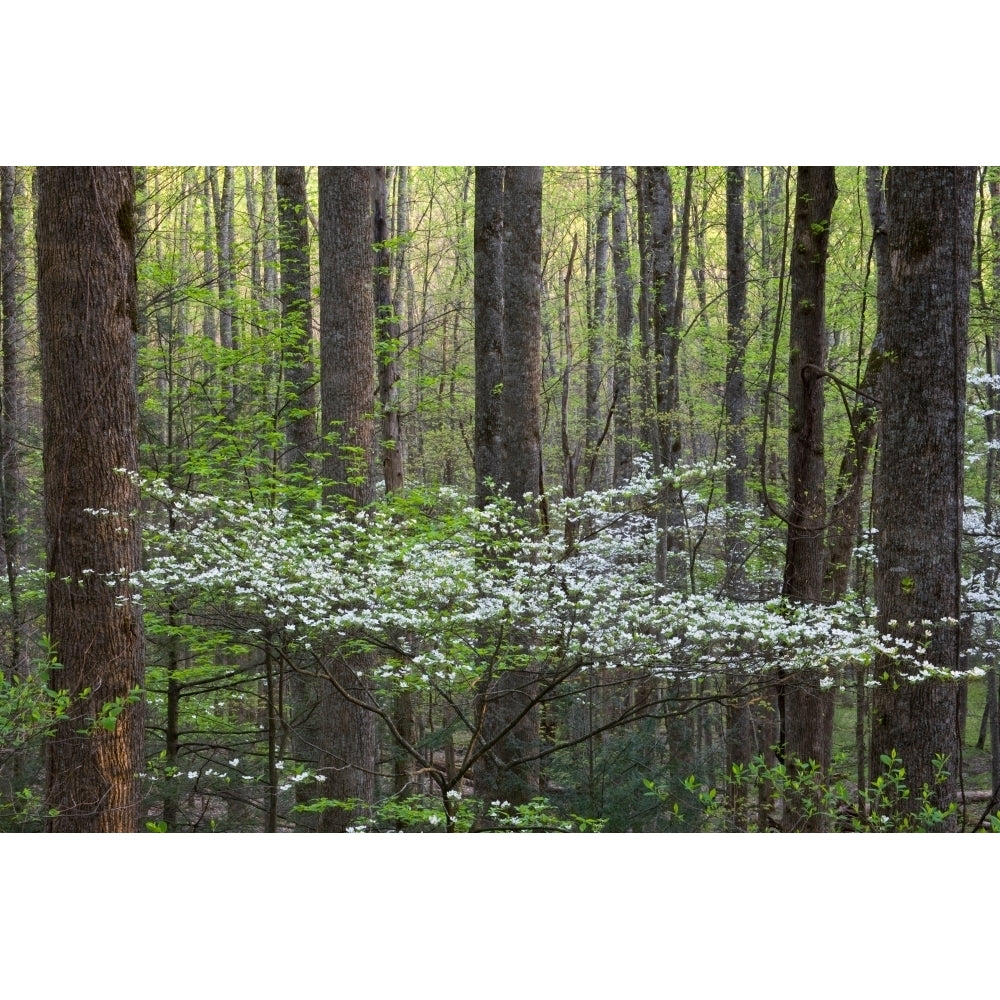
{"points": [[919, 482]]}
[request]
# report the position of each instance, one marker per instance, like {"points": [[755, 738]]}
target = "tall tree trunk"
{"points": [[595, 332], [808, 709], [918, 490], [624, 324], [12, 408], [387, 342], [845, 511], [489, 460], [738, 747], [387, 349], [88, 329], [347, 386], [508, 720], [736, 391], [300, 394], [296, 312], [522, 278]]}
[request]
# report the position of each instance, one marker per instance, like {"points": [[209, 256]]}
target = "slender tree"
{"points": [[296, 312], [738, 744], [624, 328], [87, 324], [806, 707], [12, 407], [489, 332]]}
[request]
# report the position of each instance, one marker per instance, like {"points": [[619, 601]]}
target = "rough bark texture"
{"points": [[488, 290], [347, 326], [595, 332], [808, 709], [347, 357], [87, 325], [624, 324], [738, 748], [296, 314], [522, 284], [508, 717], [12, 409], [300, 392], [387, 340], [736, 348], [918, 490]]}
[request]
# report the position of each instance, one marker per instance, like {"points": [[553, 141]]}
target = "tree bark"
{"points": [[624, 324], [387, 342], [738, 749], [595, 332], [296, 313], [12, 408], [508, 720], [347, 357], [522, 288], [489, 334], [918, 490], [88, 329], [808, 709]]}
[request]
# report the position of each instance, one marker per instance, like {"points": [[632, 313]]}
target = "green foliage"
{"points": [[455, 813], [755, 798]]}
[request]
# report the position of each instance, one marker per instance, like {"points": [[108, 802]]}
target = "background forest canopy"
{"points": [[506, 498]]}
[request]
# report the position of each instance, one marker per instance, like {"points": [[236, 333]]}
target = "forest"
{"points": [[499, 499]]}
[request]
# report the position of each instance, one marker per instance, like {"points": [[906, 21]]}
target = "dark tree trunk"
{"points": [[12, 407], [736, 390], [87, 324], [387, 342], [296, 315], [301, 399], [488, 289], [595, 332], [347, 357], [508, 718], [808, 709], [625, 322], [522, 288], [738, 747], [918, 490]]}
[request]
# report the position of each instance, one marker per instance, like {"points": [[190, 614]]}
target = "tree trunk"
{"points": [[296, 313], [595, 332], [509, 722], [624, 323], [808, 709], [387, 342], [347, 357], [918, 490], [12, 408], [522, 288], [735, 397], [738, 747], [845, 512], [87, 324], [491, 472]]}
